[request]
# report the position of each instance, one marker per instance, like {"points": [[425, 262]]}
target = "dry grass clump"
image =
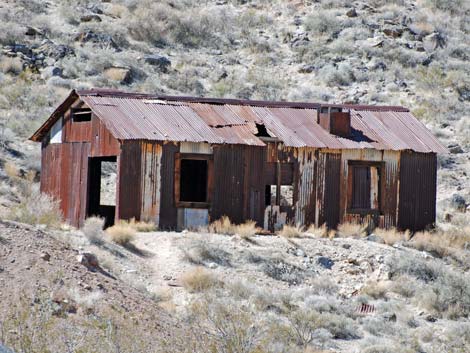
{"points": [[246, 230], [439, 243], [222, 226], [199, 280], [392, 236], [93, 230], [354, 230], [319, 232], [121, 233], [376, 290], [289, 231], [142, 226]]}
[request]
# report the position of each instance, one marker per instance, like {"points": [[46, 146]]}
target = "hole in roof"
{"points": [[262, 131]]}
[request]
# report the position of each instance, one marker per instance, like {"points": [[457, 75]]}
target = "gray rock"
{"points": [[351, 13], [455, 149], [300, 252], [375, 239], [90, 18], [31, 31], [458, 202], [325, 262], [120, 74], [51, 71], [212, 265], [161, 62], [45, 256], [306, 69], [89, 260]]}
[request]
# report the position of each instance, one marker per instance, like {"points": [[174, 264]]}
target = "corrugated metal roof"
{"points": [[150, 117]]}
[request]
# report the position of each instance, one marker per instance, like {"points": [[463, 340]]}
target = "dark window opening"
{"points": [[365, 187], [262, 131], [193, 180], [270, 195], [81, 115]]}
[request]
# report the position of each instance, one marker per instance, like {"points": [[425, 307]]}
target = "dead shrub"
{"points": [[203, 252], [93, 230], [246, 230], [121, 233], [142, 226], [351, 230], [376, 290], [318, 232], [289, 231], [199, 280], [440, 243], [391, 236], [36, 208], [222, 226]]}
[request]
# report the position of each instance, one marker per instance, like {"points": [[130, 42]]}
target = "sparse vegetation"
{"points": [[198, 280], [121, 233], [93, 230], [289, 231]]}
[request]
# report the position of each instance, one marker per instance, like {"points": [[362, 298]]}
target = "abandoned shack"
{"points": [[183, 161]]}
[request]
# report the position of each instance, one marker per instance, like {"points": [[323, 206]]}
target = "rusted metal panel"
{"points": [[331, 200], [388, 162], [417, 200], [304, 193], [159, 118], [102, 142], [64, 177], [229, 184], [151, 182], [254, 183], [168, 210], [129, 185]]}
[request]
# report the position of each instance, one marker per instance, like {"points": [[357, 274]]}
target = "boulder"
{"points": [[51, 71], [89, 260], [159, 61], [458, 202], [120, 74], [455, 149]]}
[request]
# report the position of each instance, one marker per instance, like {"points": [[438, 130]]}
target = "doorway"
{"points": [[102, 185]]}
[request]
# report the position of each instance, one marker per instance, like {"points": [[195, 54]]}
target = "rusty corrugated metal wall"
{"points": [[64, 176], [129, 185], [168, 211], [417, 197]]}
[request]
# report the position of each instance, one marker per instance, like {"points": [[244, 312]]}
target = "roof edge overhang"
{"points": [[45, 127]]}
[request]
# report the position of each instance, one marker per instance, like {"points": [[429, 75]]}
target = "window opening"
{"points": [[81, 115], [108, 183], [193, 180]]}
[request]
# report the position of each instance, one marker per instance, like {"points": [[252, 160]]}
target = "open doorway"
{"points": [[102, 184]]}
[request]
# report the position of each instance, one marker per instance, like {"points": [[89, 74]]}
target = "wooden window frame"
{"points": [[80, 111], [380, 172], [210, 179]]}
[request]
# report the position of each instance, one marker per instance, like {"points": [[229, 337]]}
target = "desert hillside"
{"points": [[229, 288]]}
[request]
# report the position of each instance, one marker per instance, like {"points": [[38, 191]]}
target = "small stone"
{"points": [[300, 252], [306, 69], [351, 13], [212, 265], [325, 262], [430, 318], [89, 260], [375, 239], [458, 202], [393, 32], [31, 31], [90, 18], [167, 277], [346, 246], [390, 317], [160, 61], [455, 149], [45, 256]]}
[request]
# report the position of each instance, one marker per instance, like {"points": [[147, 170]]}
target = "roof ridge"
{"points": [[109, 92]]}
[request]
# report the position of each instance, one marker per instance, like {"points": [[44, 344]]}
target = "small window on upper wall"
{"points": [[80, 115]]}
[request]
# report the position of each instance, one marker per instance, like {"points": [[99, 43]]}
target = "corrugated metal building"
{"points": [[184, 161]]}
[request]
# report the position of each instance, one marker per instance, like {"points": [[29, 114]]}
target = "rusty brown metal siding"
{"points": [[64, 176], [254, 183], [168, 211], [229, 184], [151, 164], [332, 165], [417, 201], [102, 142], [129, 188]]}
